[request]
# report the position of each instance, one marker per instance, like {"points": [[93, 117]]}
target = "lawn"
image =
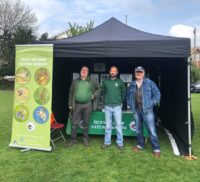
{"points": [[93, 163]]}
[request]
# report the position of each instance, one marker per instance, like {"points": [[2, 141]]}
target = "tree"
{"points": [[195, 73], [23, 35], [44, 36], [15, 16], [77, 30], [14, 13]]}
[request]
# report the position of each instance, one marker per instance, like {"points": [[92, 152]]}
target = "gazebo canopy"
{"points": [[115, 39]]}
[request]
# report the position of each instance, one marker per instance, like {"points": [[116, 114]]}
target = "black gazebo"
{"points": [[114, 43]]}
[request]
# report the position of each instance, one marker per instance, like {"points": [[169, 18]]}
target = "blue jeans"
{"points": [[115, 111], [149, 121]]}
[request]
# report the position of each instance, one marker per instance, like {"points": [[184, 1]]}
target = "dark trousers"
{"points": [[82, 112]]}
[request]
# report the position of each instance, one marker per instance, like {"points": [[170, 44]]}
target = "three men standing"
{"points": [[82, 97], [142, 96], [114, 93]]}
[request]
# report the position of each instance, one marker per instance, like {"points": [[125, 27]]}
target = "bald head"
{"points": [[113, 72]]}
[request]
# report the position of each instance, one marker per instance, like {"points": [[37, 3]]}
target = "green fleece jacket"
{"points": [[114, 92], [96, 90]]}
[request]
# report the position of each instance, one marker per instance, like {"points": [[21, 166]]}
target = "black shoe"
{"points": [[86, 142], [121, 148], [70, 144], [105, 146]]}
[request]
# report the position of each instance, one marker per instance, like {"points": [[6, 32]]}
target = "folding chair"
{"points": [[56, 131]]}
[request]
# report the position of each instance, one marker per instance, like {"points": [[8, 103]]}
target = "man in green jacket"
{"points": [[114, 93], [82, 97]]}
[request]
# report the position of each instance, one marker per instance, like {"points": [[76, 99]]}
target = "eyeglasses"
{"points": [[84, 70]]}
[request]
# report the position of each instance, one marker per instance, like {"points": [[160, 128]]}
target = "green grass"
{"points": [[93, 163]]}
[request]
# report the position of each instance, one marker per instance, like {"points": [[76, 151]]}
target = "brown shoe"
{"points": [[156, 154], [136, 149], [121, 148], [86, 142], [104, 146], [70, 144]]}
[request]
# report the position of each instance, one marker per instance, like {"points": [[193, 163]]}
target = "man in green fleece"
{"points": [[114, 92], [82, 97]]}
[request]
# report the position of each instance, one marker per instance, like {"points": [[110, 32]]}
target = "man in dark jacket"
{"points": [[82, 96], [142, 96]]}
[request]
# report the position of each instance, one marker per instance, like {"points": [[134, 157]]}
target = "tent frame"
{"points": [[190, 156]]}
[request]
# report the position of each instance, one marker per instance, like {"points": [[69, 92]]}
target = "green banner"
{"points": [[97, 125], [32, 97]]}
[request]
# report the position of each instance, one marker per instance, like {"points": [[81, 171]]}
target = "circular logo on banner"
{"points": [[132, 126], [41, 115], [42, 76], [23, 76], [21, 113], [22, 94], [30, 126], [41, 96]]}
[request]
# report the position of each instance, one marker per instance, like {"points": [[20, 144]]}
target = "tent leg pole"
{"points": [[190, 156], [189, 111]]}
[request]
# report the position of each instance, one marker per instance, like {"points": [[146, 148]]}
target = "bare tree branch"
{"points": [[14, 13]]}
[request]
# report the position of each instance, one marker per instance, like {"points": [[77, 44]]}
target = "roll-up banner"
{"points": [[32, 97]]}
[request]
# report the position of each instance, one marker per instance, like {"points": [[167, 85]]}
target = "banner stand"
{"points": [[31, 126], [24, 148]]}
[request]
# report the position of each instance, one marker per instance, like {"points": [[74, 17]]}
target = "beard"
{"points": [[113, 75]]}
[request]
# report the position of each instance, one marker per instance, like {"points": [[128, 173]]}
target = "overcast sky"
{"points": [[164, 17]]}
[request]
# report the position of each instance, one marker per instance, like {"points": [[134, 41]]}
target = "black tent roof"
{"points": [[115, 39]]}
